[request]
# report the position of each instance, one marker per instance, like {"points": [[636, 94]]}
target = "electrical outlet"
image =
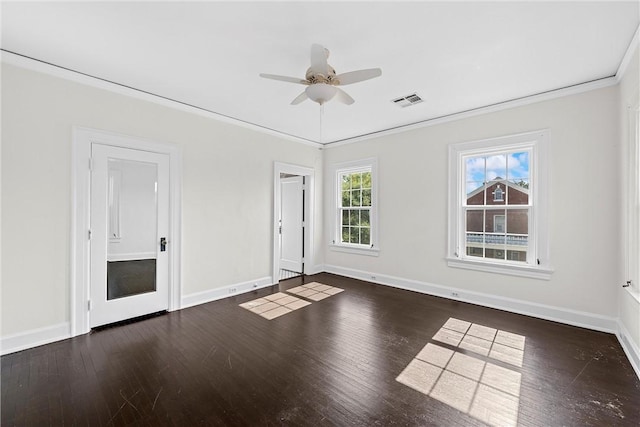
{"points": [[455, 294], [233, 290]]}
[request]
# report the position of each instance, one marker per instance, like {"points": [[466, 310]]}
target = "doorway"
{"points": [[129, 234], [125, 235], [291, 226], [293, 221]]}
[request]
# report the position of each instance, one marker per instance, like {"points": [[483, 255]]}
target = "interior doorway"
{"points": [[129, 243], [126, 228], [293, 221], [291, 225]]}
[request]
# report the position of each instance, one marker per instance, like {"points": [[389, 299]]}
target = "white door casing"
{"points": [[83, 138], [291, 223], [156, 215]]}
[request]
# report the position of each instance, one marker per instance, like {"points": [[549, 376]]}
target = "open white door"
{"points": [[129, 234], [291, 223]]}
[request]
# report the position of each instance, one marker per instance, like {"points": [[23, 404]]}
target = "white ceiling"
{"points": [[456, 56]]}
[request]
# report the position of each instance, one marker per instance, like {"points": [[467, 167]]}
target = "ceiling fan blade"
{"points": [[319, 59], [343, 97], [358, 76], [284, 78], [303, 96]]}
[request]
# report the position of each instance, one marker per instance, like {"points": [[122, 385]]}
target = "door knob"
{"points": [[163, 244]]}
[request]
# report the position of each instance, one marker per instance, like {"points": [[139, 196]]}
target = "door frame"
{"points": [[82, 139], [309, 220]]}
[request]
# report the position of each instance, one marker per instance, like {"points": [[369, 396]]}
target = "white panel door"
{"points": [[291, 227], [129, 234]]}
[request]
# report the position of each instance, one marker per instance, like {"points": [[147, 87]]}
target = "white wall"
{"points": [[228, 185], [227, 190], [629, 299], [583, 210]]}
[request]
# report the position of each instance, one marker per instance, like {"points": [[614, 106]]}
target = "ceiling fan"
{"points": [[321, 79]]}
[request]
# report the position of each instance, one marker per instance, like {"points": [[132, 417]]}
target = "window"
{"points": [[498, 194], [632, 244], [355, 207], [497, 205]]}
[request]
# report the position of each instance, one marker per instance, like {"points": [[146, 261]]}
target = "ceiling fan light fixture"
{"points": [[320, 92], [321, 79]]}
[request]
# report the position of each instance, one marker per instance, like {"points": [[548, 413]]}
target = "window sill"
{"points": [[355, 250], [509, 269]]}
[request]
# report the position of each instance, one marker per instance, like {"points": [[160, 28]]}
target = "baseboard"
{"points": [[224, 292], [34, 338], [314, 269], [630, 348], [547, 312]]}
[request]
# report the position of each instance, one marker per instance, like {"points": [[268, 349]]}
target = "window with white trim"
{"points": [[632, 248], [355, 207], [497, 205]]}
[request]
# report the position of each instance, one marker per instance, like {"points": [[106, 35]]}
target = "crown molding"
{"points": [[32, 64], [68, 74], [519, 102], [626, 59]]}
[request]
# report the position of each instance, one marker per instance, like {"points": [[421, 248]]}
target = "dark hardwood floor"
{"points": [[334, 362]]}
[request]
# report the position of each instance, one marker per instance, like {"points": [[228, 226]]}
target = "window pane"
{"points": [[495, 226], [364, 218], [346, 198], [518, 221], [354, 235], [518, 172], [366, 197], [355, 197], [354, 217], [476, 251], [356, 181], [495, 221], [365, 236], [475, 220], [496, 168], [346, 182], [517, 234], [345, 217], [494, 253], [475, 180], [366, 180], [345, 234], [517, 256]]}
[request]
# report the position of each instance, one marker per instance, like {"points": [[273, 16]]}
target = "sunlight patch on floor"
{"points": [[274, 305], [470, 384], [315, 291]]}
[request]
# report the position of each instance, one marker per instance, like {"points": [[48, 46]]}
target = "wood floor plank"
{"points": [[334, 362]]}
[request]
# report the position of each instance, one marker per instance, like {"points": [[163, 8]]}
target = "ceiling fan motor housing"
{"points": [[314, 77]]}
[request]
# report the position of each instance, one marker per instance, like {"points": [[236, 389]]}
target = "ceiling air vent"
{"points": [[408, 100]]}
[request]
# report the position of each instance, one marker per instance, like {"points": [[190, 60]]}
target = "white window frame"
{"points": [[632, 261], [538, 265], [335, 244]]}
